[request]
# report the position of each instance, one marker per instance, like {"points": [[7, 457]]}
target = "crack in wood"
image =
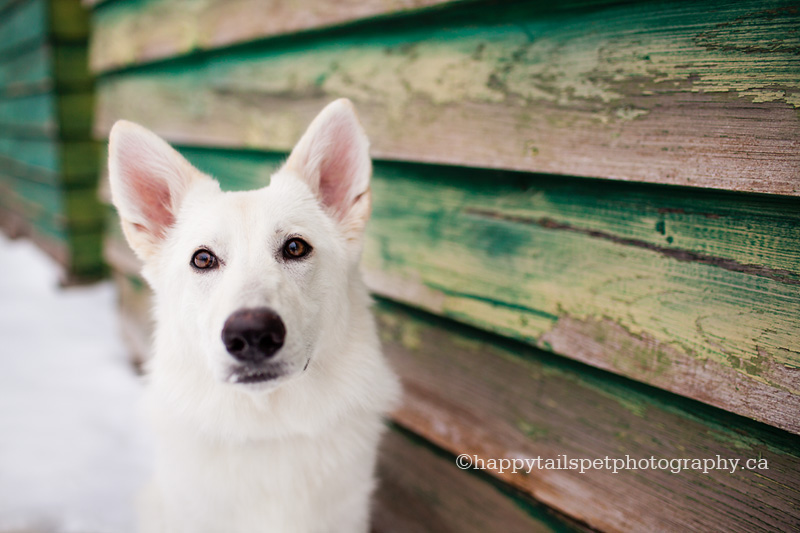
{"points": [[776, 274]]}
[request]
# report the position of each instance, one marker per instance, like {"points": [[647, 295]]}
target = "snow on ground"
{"points": [[72, 448]]}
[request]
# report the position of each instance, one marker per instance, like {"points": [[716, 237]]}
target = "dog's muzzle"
{"points": [[253, 335]]}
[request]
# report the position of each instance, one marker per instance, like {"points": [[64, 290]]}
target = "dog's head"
{"points": [[248, 281]]}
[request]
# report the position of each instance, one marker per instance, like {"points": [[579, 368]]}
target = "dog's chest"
{"points": [[299, 484]]}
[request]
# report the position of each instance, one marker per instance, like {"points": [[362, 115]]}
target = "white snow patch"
{"points": [[73, 452]]}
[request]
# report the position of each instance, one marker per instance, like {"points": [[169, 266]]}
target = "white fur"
{"points": [[296, 454]]}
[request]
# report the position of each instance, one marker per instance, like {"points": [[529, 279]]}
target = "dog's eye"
{"points": [[296, 248], [204, 260]]}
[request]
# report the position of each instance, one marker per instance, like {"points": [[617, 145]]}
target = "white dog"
{"points": [[267, 385]]}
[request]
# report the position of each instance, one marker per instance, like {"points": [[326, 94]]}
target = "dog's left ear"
{"points": [[332, 157]]}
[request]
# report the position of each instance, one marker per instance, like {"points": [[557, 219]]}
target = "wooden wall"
{"points": [[48, 160], [585, 240]]}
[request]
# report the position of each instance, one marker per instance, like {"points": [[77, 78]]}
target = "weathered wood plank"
{"points": [[41, 200], [75, 208], [696, 292], [7, 5], [65, 162], [33, 206], [29, 115], [139, 31], [470, 395], [27, 72], [67, 224], [702, 94], [538, 265], [423, 491], [44, 68], [27, 21], [474, 393], [15, 223]]}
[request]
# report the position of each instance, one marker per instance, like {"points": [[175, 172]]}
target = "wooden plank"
{"points": [[41, 201], [16, 225], [675, 93], [44, 68], [65, 162], [67, 224], [35, 207], [7, 5], [26, 22], [570, 267], [27, 72], [423, 491], [471, 396], [74, 208], [139, 31], [469, 392], [29, 115]]}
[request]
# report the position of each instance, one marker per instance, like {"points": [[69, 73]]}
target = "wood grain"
{"points": [[694, 292], [422, 491], [469, 392], [702, 94], [140, 31]]}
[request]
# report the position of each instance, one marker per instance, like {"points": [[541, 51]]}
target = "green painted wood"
{"points": [[138, 31], [471, 392], [423, 491], [681, 314], [47, 161], [50, 160], [26, 22], [45, 68], [31, 21], [75, 208], [27, 72], [29, 115], [31, 157], [700, 94], [36, 203], [7, 5], [696, 292]]}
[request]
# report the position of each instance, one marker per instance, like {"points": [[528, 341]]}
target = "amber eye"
{"points": [[296, 248], [204, 260]]}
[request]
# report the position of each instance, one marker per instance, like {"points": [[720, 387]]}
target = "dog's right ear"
{"points": [[148, 181]]}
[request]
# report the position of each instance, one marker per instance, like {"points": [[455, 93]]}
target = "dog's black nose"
{"points": [[252, 335]]}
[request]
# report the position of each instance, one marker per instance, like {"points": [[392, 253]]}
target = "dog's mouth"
{"points": [[254, 375]]}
